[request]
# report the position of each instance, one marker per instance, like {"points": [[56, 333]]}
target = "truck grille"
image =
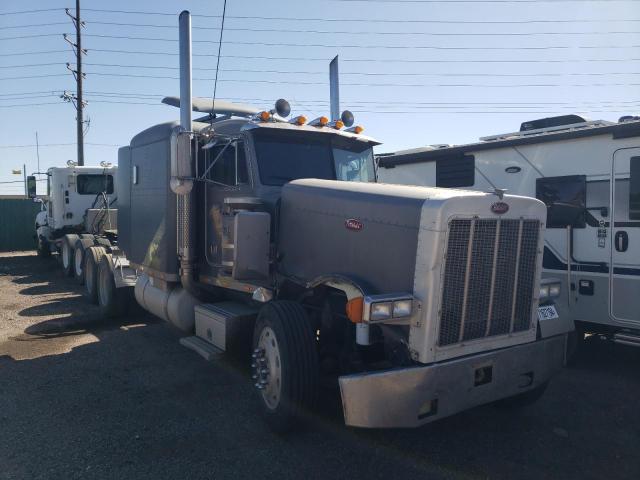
{"points": [[489, 276]]}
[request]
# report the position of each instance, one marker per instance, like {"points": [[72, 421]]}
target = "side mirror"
{"points": [[31, 186]]}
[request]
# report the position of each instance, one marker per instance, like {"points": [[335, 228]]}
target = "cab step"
{"points": [[627, 338], [203, 348]]}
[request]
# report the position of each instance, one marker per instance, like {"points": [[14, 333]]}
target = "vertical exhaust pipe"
{"points": [[182, 175], [185, 70]]}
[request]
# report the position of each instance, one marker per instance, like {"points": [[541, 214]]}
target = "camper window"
{"points": [[452, 172], [634, 189], [565, 198]]}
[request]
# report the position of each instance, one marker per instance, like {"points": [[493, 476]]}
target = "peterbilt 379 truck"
{"points": [[248, 231]]}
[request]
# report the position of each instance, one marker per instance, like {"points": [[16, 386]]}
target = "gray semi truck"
{"points": [[252, 232]]}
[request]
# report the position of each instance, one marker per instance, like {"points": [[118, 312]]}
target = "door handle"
{"points": [[621, 241]]}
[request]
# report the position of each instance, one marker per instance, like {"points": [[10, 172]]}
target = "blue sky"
{"points": [[414, 73]]}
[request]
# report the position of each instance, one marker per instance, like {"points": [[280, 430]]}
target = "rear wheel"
{"points": [[285, 363], [111, 300], [82, 244], [92, 258], [67, 254]]}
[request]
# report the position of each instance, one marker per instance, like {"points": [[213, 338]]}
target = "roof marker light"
{"points": [[319, 122], [264, 116], [299, 120], [337, 124], [357, 129]]}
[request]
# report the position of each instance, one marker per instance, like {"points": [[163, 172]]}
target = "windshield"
{"points": [[286, 156]]}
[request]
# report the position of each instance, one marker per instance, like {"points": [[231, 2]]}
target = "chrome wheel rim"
{"points": [[267, 368], [78, 262]]}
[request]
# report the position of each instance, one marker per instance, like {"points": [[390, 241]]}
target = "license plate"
{"points": [[547, 312]]}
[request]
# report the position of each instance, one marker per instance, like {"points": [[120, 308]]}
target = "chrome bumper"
{"points": [[411, 397]]}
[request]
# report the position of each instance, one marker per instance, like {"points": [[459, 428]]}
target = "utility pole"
{"points": [[79, 76], [38, 152]]}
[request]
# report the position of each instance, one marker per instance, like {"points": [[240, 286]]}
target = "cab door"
{"points": [[624, 271]]}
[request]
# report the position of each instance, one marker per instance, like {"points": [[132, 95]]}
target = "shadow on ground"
{"points": [[136, 404]]}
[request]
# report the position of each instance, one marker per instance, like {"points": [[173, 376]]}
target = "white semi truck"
{"points": [[79, 211], [251, 232]]}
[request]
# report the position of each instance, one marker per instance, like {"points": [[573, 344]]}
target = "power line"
{"points": [[33, 25], [31, 11], [19, 54], [32, 36], [366, 20], [58, 145], [403, 47], [317, 72], [140, 95], [261, 57], [351, 32]]}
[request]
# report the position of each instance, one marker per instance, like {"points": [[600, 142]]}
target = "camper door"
{"points": [[624, 272]]}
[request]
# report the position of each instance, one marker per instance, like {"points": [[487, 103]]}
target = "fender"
{"points": [[351, 287]]}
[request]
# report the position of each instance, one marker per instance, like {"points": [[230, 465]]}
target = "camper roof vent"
{"points": [[552, 122], [528, 130]]}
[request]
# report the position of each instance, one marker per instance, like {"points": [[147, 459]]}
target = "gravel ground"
{"points": [[80, 398]]}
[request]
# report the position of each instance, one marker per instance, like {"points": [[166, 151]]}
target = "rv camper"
{"points": [[588, 175], [249, 231]]}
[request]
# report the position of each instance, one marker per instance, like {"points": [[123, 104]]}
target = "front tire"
{"points": [[43, 249], [285, 364]]}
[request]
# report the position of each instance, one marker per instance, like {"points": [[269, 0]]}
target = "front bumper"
{"points": [[411, 397]]}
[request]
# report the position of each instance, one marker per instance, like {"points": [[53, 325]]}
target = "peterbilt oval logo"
{"points": [[353, 224], [499, 208]]}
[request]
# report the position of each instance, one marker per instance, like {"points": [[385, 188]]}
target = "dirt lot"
{"points": [[83, 399]]}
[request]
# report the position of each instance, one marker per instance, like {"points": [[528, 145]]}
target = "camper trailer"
{"points": [[588, 175], [255, 233]]}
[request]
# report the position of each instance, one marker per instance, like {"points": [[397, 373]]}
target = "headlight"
{"points": [[402, 308], [544, 292], [380, 311]]}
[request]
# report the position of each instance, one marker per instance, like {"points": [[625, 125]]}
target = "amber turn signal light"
{"points": [[355, 308]]}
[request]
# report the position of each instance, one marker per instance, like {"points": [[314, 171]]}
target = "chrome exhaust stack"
{"points": [[182, 171]]}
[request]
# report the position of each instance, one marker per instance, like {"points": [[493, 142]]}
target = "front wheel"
{"points": [[285, 364], [43, 249]]}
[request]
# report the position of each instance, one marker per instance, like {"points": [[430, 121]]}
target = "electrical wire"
{"points": [[367, 20], [403, 47]]}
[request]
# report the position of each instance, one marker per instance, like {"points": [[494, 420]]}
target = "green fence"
{"points": [[17, 220]]}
